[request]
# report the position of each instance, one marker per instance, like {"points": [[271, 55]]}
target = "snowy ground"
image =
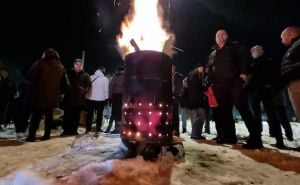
{"points": [[88, 161]]}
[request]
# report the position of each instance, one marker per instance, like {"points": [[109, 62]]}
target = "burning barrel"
{"points": [[146, 111]]}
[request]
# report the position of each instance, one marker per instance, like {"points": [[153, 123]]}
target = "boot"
{"points": [[253, 143], [117, 129], [46, 134]]}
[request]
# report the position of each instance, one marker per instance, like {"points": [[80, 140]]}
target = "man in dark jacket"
{"points": [[177, 79], [46, 76], [196, 86], [261, 90], [7, 93], [290, 66], [74, 100], [228, 65], [116, 90]]}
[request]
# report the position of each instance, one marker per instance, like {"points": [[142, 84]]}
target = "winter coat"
{"points": [[177, 79], [116, 85], [196, 86], [46, 77], [258, 79], [290, 66], [100, 87], [227, 63], [80, 84]]}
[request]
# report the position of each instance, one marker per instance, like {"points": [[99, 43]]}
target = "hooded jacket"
{"points": [[116, 85], [99, 88], [46, 76]]}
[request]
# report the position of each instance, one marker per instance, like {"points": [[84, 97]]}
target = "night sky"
{"points": [[71, 26]]}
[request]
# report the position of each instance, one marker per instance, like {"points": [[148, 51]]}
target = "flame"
{"points": [[144, 26]]}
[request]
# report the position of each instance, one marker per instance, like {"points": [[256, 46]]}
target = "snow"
{"points": [[88, 160]]}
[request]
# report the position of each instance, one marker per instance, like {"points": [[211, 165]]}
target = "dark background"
{"points": [[71, 26]]}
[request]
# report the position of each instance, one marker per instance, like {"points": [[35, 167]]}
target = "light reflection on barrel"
{"points": [[146, 111]]}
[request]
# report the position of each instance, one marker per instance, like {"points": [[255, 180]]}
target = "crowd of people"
{"points": [[237, 78], [233, 77], [48, 85]]}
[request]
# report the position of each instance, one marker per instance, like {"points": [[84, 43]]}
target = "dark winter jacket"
{"points": [[262, 74], [177, 79], [46, 77], [116, 85], [196, 86], [227, 63], [290, 66], [80, 84]]}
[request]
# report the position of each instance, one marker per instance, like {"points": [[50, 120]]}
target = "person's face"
{"points": [[200, 69], [285, 38], [256, 52], [221, 38], [78, 66]]}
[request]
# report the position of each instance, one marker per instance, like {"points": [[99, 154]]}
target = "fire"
{"points": [[143, 25]]}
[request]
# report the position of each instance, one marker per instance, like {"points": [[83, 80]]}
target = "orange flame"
{"points": [[144, 26]]}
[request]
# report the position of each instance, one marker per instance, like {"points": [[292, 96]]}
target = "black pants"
{"points": [[23, 115], [265, 97], [93, 106], [228, 94], [37, 115], [217, 120], [71, 118], [284, 120], [175, 116], [116, 112]]}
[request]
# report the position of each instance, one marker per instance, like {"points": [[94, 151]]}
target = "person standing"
{"points": [[290, 66], [177, 79], [227, 73], [74, 99], [116, 90], [261, 90], [46, 76], [97, 98], [196, 86], [7, 94]]}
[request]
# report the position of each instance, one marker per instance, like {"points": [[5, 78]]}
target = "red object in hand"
{"points": [[212, 101]]}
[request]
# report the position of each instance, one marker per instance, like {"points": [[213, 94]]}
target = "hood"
{"points": [[98, 73], [53, 64]]}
